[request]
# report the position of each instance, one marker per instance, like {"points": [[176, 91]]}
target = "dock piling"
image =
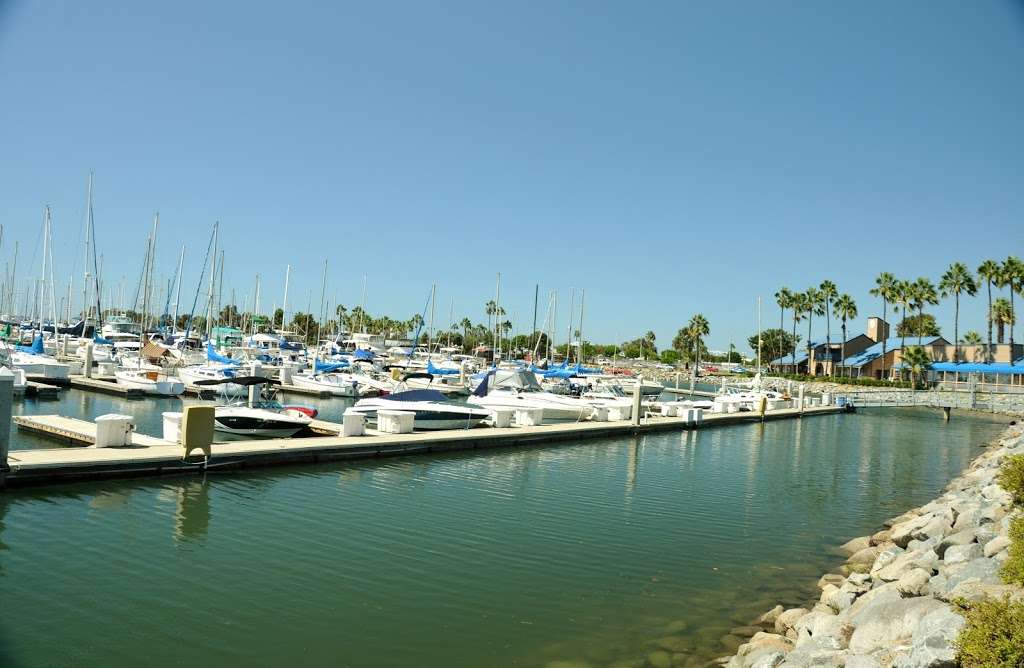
{"points": [[87, 367], [636, 400], [6, 394]]}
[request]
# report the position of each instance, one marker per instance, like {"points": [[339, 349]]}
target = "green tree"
{"points": [[699, 328], [1012, 276], [784, 298], [885, 287], [775, 344], [917, 360], [669, 356], [1002, 316], [923, 293], [846, 309], [972, 338], [956, 281], [902, 293], [988, 271], [919, 325], [828, 292]]}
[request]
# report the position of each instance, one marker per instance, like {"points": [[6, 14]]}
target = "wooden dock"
{"points": [[41, 390], [105, 385], [151, 456]]}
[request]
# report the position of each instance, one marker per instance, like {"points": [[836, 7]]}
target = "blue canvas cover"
{"points": [[100, 341], [36, 348], [363, 354], [214, 356], [328, 367], [434, 371], [285, 345]]}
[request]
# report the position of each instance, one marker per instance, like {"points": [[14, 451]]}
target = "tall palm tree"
{"points": [[784, 298], [923, 293], [699, 328], [1012, 276], [1002, 315], [814, 305], [902, 292], [885, 284], [956, 281], [988, 271], [466, 323], [490, 308], [828, 292], [798, 304], [846, 309], [917, 360]]}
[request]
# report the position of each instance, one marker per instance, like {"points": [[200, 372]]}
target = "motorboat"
{"points": [[333, 383], [511, 389], [34, 362], [258, 416], [432, 408], [191, 375], [150, 381]]}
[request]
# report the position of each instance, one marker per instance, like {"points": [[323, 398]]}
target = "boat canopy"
{"points": [[418, 395], [102, 341], [968, 367], [238, 380], [363, 354], [285, 344], [36, 348], [516, 379], [214, 356], [440, 371], [328, 367]]}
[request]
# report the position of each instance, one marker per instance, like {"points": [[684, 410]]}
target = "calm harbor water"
{"points": [[589, 553]]}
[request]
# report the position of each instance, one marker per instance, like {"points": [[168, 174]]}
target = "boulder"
{"points": [[859, 579], [840, 598], [861, 661], [865, 556], [904, 532], [886, 557], [918, 545], [976, 590], [855, 545], [831, 578], [768, 618], [785, 621], [886, 622], [993, 512], [674, 644], [962, 553], [745, 631], [996, 545], [926, 559], [766, 658], [964, 537], [914, 582], [880, 537], [968, 518], [887, 591], [938, 527], [764, 640], [809, 657], [932, 643], [660, 659]]}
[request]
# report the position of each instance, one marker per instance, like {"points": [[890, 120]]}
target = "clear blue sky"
{"points": [[670, 157]]}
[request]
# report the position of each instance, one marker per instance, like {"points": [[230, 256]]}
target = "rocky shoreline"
{"points": [[890, 603]]}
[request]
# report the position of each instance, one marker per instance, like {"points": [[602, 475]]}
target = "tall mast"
{"points": [[568, 329], [88, 257], [177, 291], [430, 331], [319, 324], [362, 309], [213, 275], [497, 318], [53, 300], [758, 335], [579, 351], [256, 307], [284, 304]]}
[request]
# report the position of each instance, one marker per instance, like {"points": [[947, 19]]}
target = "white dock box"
{"points": [[529, 417], [395, 422], [618, 413], [502, 417], [669, 410], [698, 415], [826, 398], [599, 414], [172, 427], [113, 430], [353, 423]]}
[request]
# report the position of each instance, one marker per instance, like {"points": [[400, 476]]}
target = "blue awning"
{"points": [[975, 367]]}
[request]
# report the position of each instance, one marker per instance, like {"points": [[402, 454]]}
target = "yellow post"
{"points": [[197, 429]]}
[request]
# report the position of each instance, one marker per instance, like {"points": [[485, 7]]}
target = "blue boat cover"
{"points": [[285, 345], [36, 348], [99, 340], [418, 395], [328, 367], [363, 354], [214, 356], [435, 371]]}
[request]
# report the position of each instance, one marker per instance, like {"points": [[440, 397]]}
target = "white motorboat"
{"points": [[263, 417], [191, 375], [433, 410], [150, 381], [336, 384], [40, 366], [506, 388]]}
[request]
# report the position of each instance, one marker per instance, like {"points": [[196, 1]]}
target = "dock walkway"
{"points": [[151, 456]]}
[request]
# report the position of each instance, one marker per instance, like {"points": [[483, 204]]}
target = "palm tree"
{"points": [[466, 323], [923, 293], [828, 292], [698, 328], [957, 280], [885, 285], [846, 309], [490, 308], [902, 292], [798, 303], [1002, 315], [814, 305], [1012, 276], [784, 298], [972, 338], [917, 360], [988, 271]]}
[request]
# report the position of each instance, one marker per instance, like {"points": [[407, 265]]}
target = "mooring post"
{"points": [[6, 391], [946, 410], [800, 398], [636, 401], [87, 367], [677, 380]]}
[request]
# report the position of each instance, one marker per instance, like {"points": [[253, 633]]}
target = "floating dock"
{"points": [[41, 390], [105, 385], [149, 456]]}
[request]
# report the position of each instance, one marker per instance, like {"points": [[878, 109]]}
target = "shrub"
{"points": [[994, 634], [1011, 477], [1012, 571]]}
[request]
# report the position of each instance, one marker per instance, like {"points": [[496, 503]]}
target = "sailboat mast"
{"points": [[568, 330], [579, 351], [497, 318], [177, 291], [319, 323], [284, 304], [430, 331], [53, 300], [88, 257], [213, 276]]}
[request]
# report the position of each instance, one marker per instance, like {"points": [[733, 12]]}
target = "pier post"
{"points": [[64, 345], [6, 391], [946, 410], [800, 398], [87, 367], [677, 380], [636, 401]]}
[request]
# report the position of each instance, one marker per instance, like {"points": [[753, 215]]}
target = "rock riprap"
{"points": [[890, 605]]}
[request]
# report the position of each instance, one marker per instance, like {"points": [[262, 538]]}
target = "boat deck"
{"points": [[149, 456]]}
